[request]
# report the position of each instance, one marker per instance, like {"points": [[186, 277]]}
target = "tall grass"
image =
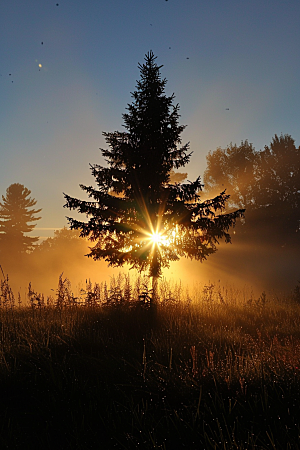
{"points": [[211, 368]]}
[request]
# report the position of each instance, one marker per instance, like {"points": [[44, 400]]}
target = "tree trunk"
{"points": [[154, 298], [153, 302]]}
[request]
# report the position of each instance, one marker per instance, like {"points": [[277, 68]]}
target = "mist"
{"points": [[235, 266], [63, 254]]}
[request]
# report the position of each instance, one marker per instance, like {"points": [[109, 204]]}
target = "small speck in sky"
{"points": [[227, 109], [42, 43], [40, 65]]}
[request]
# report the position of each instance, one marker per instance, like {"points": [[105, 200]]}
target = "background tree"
{"points": [[266, 183], [277, 193], [63, 240], [233, 168], [16, 217], [137, 215]]}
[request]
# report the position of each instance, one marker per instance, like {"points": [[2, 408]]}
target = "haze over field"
{"points": [[66, 73]]}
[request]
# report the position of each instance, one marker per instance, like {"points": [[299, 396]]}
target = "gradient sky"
{"points": [[58, 97]]}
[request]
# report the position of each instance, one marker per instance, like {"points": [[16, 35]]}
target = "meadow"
{"points": [[206, 368]]}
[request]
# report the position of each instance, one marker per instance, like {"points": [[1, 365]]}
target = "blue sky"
{"points": [[242, 55]]}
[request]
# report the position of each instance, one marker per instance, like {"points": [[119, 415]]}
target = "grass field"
{"points": [[210, 369]]}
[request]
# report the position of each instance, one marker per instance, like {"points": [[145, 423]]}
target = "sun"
{"points": [[156, 238]]}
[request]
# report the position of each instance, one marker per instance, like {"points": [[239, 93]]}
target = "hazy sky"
{"points": [[67, 72]]}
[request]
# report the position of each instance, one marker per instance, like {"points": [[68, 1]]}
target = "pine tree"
{"points": [[137, 215], [15, 220]]}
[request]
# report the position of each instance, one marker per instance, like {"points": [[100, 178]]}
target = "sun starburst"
{"points": [[156, 238]]}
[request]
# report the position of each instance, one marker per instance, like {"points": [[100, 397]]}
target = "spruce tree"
{"points": [[16, 216], [137, 215]]}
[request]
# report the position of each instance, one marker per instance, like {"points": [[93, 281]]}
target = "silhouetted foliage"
{"points": [[16, 217], [63, 238], [136, 198], [277, 193], [266, 183], [233, 168]]}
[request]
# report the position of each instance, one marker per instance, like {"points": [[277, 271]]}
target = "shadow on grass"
{"points": [[125, 378]]}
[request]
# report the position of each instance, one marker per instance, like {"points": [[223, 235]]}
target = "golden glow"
{"points": [[157, 238], [152, 238]]}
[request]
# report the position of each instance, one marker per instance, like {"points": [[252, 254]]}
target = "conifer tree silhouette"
{"points": [[137, 216], [15, 220]]}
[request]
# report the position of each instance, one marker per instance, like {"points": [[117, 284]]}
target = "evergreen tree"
{"points": [[137, 215], [15, 220]]}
